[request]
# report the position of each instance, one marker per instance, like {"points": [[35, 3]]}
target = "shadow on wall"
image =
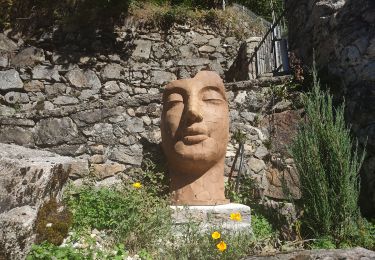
{"points": [[30, 16], [239, 71]]}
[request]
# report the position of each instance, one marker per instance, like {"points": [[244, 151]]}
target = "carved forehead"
{"points": [[201, 79], [210, 78]]}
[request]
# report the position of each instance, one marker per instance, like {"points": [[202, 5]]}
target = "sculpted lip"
{"points": [[194, 135], [194, 139]]}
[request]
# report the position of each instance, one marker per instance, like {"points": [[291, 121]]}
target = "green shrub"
{"points": [[323, 243], [47, 251], [133, 215], [153, 177], [363, 235], [261, 227], [195, 244], [328, 168]]}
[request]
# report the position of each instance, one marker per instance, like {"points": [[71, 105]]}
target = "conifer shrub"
{"points": [[328, 162]]}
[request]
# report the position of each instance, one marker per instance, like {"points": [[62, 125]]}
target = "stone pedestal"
{"points": [[209, 218]]}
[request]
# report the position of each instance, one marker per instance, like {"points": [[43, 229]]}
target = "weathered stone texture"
{"points": [[10, 79], [56, 131], [28, 57], [28, 178], [357, 253]]}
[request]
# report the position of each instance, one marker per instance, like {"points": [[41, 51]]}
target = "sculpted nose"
{"points": [[193, 113]]}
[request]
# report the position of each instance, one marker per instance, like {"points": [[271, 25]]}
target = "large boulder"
{"points": [[332, 254], [28, 179]]}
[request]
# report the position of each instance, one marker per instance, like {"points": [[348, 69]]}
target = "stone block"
{"points": [[106, 170], [7, 44], [198, 38], [162, 77], [28, 178], [16, 98], [112, 71], [207, 49], [45, 72], [142, 49], [29, 56], [188, 51], [111, 87], [55, 89], [16, 232], [10, 79], [65, 100], [213, 217], [34, 86], [193, 62], [55, 131], [317, 254], [4, 59], [127, 154], [100, 133], [83, 79], [283, 184], [256, 165], [17, 135]]}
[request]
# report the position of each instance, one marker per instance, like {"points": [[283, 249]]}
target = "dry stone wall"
{"points": [[342, 33], [104, 107]]}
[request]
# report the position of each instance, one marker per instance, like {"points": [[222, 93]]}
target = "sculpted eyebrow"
{"points": [[215, 88], [171, 90]]}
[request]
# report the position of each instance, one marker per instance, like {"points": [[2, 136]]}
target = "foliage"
{"points": [[134, 216], [263, 7], [165, 16], [195, 244], [5, 9], [44, 13], [260, 7], [246, 193], [53, 222], [261, 227], [323, 243], [47, 251], [328, 168], [152, 176], [363, 235], [89, 15], [239, 136]]}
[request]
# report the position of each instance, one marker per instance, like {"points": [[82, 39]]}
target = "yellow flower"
{"points": [[215, 235], [235, 216], [137, 185], [221, 246]]}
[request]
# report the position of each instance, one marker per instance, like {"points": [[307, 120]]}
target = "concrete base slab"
{"points": [[214, 217]]}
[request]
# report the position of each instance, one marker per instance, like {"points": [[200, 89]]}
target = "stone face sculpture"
{"points": [[195, 132]]}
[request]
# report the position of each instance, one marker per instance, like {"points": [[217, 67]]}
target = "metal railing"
{"points": [[271, 54]]}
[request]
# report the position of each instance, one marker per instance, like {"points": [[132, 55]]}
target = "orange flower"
{"points": [[221, 246], [137, 185], [235, 216], [215, 235]]}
